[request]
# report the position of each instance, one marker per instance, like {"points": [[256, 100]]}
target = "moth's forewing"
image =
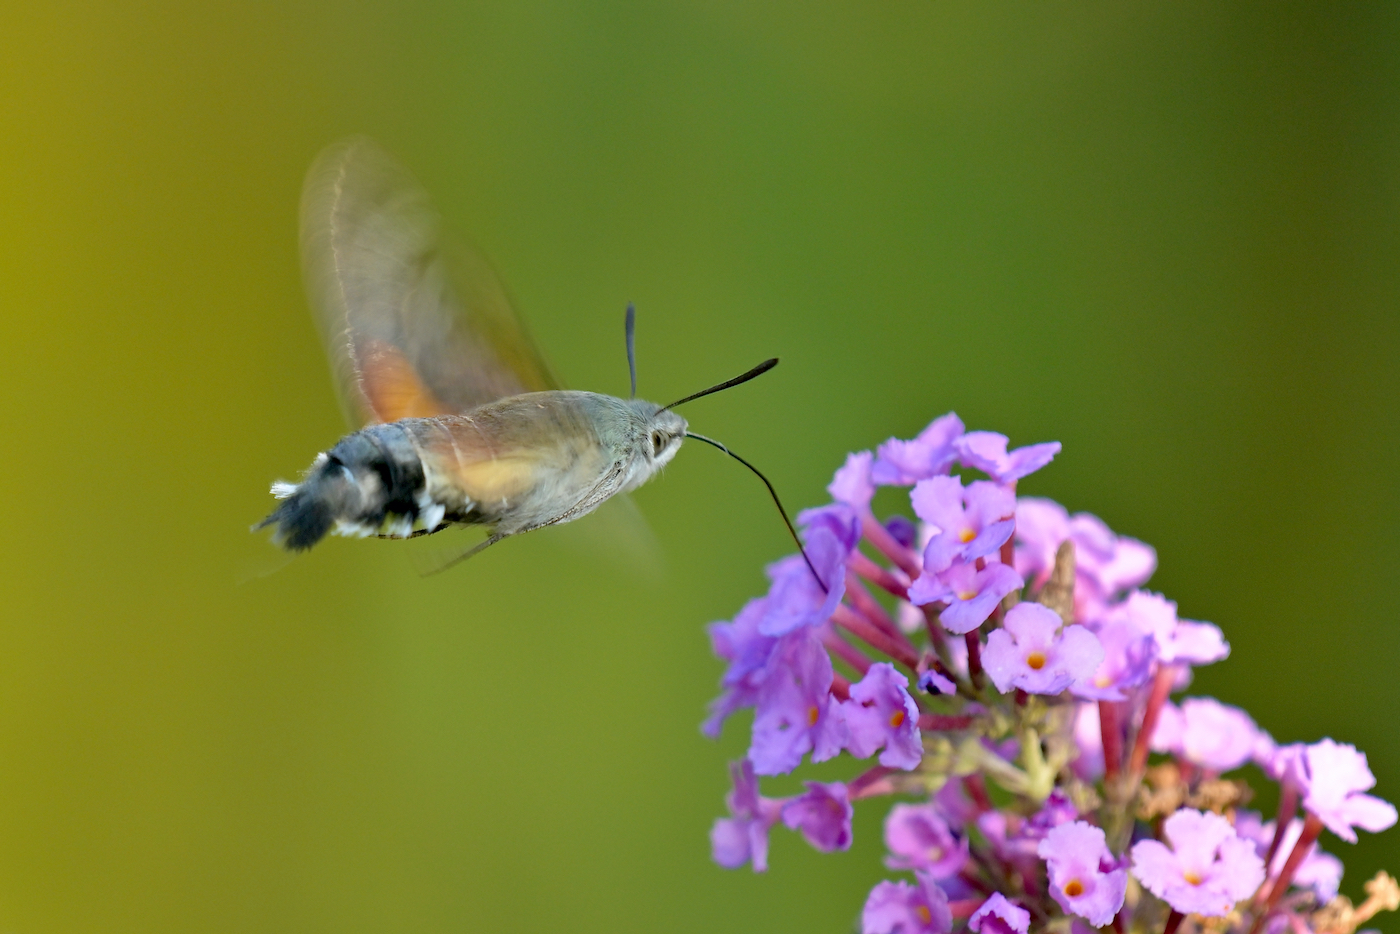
{"points": [[413, 328]]}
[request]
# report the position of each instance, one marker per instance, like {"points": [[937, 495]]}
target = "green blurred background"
{"points": [[1164, 235]]}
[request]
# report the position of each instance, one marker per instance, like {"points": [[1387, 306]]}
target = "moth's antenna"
{"points": [[771, 492], [759, 370], [632, 346]]}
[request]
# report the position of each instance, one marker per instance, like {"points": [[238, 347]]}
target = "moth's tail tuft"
{"points": [[310, 509]]}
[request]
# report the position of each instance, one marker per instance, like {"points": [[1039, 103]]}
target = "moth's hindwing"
{"points": [[414, 327]]}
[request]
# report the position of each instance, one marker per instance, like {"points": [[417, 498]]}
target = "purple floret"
{"points": [[743, 836], [931, 682], [901, 908], [986, 451], [1085, 879], [823, 815], [840, 519], [968, 522], [1105, 564], [904, 463], [971, 594], [999, 915], [747, 651], [919, 838], [881, 713], [1041, 526], [796, 713], [1030, 652], [1204, 731], [851, 484], [1336, 775], [796, 599], [1206, 869], [1058, 809], [1128, 656], [1178, 640]]}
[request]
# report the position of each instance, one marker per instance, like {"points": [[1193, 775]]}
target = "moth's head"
{"points": [[663, 432]]}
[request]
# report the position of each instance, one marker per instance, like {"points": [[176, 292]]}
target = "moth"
{"points": [[461, 421]]}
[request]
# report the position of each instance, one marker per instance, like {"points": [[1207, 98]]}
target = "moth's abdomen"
{"points": [[372, 482]]}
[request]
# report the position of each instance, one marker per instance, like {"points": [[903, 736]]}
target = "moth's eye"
{"points": [[658, 443]]}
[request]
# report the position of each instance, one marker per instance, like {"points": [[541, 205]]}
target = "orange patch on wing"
{"points": [[392, 386], [489, 481]]}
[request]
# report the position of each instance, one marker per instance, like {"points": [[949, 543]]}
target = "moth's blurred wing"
{"points": [[413, 328], [619, 535]]}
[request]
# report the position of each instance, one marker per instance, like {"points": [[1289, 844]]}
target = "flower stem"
{"points": [[1312, 826], [843, 649], [977, 790], [1173, 922], [1112, 740], [880, 577], [870, 608], [963, 908], [880, 537], [1287, 807], [856, 624], [939, 722], [974, 659], [869, 783], [1161, 688]]}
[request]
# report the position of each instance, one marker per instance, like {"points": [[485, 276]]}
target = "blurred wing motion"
{"points": [[412, 329]]}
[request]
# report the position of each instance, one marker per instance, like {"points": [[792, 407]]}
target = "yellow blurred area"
{"points": [[1164, 235]]}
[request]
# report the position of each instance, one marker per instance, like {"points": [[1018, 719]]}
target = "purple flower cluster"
{"points": [[1001, 659]]}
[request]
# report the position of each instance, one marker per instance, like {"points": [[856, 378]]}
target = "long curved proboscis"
{"points": [[771, 492], [759, 370]]}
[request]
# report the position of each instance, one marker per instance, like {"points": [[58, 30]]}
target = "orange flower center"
{"points": [[1074, 888], [1192, 877], [966, 535], [1036, 660], [966, 594], [897, 718], [812, 714], [924, 916]]}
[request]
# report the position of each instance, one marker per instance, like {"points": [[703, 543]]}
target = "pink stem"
{"points": [[870, 608], [977, 790], [877, 575], [974, 658], [840, 688], [880, 537], [859, 626], [935, 628], [1173, 922], [1112, 739], [860, 785], [964, 907], [844, 650], [1287, 807], [1312, 826], [1161, 688], [937, 722]]}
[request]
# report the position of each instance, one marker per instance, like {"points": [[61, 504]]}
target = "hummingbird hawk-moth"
{"points": [[461, 421]]}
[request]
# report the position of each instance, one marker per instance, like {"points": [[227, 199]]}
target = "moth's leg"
{"points": [[470, 552], [418, 533]]}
